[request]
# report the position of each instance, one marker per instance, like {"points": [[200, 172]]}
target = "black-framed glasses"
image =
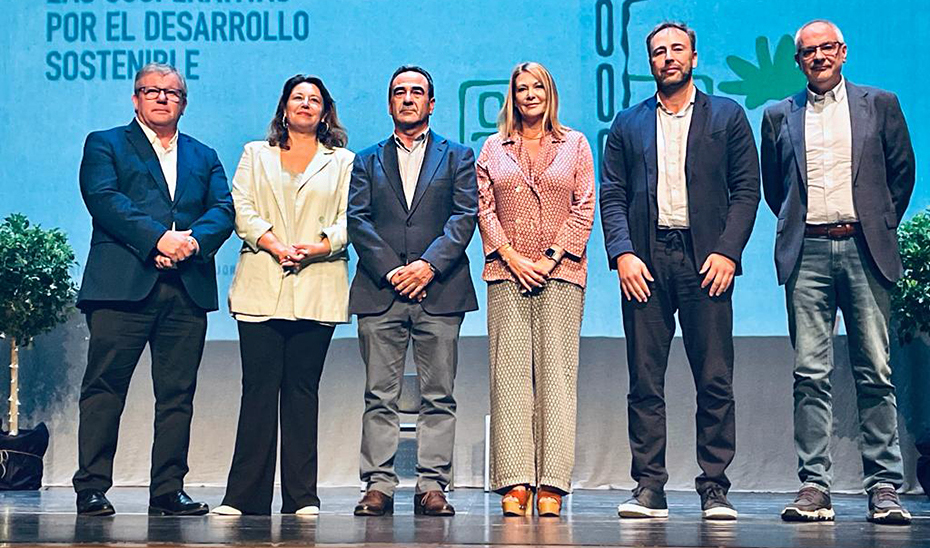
{"points": [[152, 93], [827, 48]]}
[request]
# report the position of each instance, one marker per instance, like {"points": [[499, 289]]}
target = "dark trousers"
{"points": [[280, 359], [174, 328], [707, 333]]}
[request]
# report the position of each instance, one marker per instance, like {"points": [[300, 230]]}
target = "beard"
{"points": [[670, 85]]}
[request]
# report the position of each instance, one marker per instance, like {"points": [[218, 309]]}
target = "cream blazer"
{"points": [[322, 289]]}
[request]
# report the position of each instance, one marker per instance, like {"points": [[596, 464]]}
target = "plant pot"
{"points": [[21, 456]]}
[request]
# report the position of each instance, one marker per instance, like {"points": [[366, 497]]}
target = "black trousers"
{"points": [[174, 328], [280, 358], [707, 333]]}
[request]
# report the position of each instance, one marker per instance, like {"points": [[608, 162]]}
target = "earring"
{"points": [[284, 121], [323, 128]]}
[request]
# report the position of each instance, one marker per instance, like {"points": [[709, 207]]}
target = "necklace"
{"points": [[535, 138]]}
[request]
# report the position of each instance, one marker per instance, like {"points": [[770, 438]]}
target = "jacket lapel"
{"points": [[435, 152], [321, 159], [184, 167], [147, 154], [270, 158], [648, 127], [797, 107], [696, 132], [387, 155], [859, 122]]}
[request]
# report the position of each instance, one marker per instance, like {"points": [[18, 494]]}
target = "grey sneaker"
{"points": [[714, 504], [884, 506], [812, 504], [645, 503]]}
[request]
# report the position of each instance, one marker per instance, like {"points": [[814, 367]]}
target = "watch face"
{"points": [[550, 253]]}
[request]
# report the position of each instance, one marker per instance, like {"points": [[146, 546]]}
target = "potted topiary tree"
{"points": [[36, 294], [911, 319]]}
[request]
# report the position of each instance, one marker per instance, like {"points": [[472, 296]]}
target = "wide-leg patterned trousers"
{"points": [[534, 374]]}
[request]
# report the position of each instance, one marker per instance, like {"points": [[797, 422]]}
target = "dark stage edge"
{"points": [[589, 519]]}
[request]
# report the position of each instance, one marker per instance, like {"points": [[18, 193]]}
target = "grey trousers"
{"points": [[383, 340], [533, 342]]}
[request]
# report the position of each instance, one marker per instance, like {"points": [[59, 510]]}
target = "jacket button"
{"points": [[409, 223], [403, 256]]}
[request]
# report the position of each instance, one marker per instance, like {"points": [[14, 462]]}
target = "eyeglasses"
{"points": [[829, 49], [152, 93]]}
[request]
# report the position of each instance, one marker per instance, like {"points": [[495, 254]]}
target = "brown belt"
{"points": [[839, 231]]}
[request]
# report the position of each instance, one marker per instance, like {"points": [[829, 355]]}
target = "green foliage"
{"points": [[911, 297], [36, 291], [775, 78]]}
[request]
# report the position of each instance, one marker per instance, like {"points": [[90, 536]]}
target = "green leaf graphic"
{"points": [[774, 78]]}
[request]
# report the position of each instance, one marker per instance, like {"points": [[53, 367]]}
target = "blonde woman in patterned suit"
{"points": [[536, 207]]}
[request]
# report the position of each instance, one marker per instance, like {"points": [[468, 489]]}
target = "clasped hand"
{"points": [[531, 275], [294, 257], [411, 280], [173, 247]]}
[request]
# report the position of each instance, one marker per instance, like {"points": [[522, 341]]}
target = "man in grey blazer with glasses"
{"points": [[838, 171]]}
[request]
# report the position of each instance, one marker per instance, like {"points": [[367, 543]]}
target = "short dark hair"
{"points": [[329, 132], [671, 25], [411, 68]]}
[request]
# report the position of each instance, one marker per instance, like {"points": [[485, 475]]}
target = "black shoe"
{"points": [[92, 502], [645, 503], [714, 504], [176, 503], [811, 504], [375, 503], [884, 506]]}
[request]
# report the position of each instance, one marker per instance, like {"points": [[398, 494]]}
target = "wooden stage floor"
{"points": [[589, 519]]}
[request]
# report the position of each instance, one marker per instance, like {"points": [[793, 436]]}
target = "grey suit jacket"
{"points": [[883, 173]]}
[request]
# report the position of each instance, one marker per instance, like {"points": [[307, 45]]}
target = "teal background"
{"points": [[469, 47]]}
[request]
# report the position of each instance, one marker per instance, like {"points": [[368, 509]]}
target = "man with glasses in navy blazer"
{"points": [[161, 209], [838, 172]]}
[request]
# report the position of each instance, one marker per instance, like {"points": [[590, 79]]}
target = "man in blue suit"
{"points": [[161, 209], [413, 204], [679, 193], [838, 171]]}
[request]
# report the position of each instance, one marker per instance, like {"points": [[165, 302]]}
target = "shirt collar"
{"points": [[417, 141], [152, 137], [837, 94], [683, 111]]}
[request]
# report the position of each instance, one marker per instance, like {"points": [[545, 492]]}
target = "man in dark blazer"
{"points": [[838, 171], [413, 204], [161, 209], [679, 193]]}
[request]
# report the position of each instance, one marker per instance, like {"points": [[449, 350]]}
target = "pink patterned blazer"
{"points": [[532, 206]]}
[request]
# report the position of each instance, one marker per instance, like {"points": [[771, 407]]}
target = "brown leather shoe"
{"points": [[375, 503], [432, 503]]}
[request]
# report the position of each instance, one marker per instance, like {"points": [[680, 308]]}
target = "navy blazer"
{"points": [[126, 194], [436, 227], [721, 170], [883, 174]]}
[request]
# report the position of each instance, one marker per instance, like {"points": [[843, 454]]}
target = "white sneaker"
{"points": [[225, 510], [308, 511]]}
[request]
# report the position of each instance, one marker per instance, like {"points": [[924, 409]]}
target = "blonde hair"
{"points": [[509, 121]]}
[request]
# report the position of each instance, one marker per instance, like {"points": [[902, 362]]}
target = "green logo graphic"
{"points": [[773, 79], [479, 103]]}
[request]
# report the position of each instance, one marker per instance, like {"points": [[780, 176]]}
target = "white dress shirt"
{"points": [[167, 156], [671, 151], [828, 146], [409, 162]]}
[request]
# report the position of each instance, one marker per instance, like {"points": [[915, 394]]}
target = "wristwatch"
{"points": [[553, 254]]}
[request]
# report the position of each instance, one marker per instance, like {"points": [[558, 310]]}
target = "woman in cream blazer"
{"points": [[290, 289]]}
